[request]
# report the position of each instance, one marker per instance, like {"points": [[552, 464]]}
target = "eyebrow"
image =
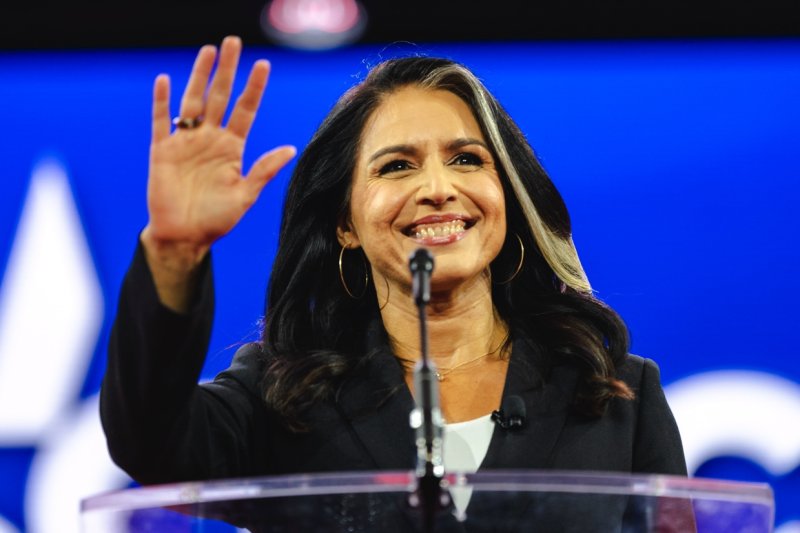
{"points": [[460, 143], [408, 149], [405, 149]]}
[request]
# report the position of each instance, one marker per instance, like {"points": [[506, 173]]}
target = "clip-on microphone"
{"points": [[511, 414]]}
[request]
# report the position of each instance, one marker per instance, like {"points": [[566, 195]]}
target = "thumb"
{"points": [[267, 166]]}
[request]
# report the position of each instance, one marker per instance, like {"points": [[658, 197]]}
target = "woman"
{"points": [[419, 154]]}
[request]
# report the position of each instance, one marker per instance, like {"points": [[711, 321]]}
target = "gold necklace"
{"points": [[442, 373]]}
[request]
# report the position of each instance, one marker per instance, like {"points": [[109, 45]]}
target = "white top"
{"points": [[465, 446]]}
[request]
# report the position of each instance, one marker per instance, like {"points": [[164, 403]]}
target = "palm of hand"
{"points": [[196, 190]]}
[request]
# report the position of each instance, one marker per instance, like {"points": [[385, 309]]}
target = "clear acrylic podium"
{"points": [[497, 501]]}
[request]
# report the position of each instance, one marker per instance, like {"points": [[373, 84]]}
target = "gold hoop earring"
{"points": [[519, 265], [344, 283]]}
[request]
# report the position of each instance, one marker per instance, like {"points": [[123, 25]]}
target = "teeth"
{"points": [[439, 230]]}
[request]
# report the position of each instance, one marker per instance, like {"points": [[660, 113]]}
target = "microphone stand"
{"points": [[426, 418]]}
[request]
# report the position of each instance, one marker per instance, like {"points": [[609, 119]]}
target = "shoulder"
{"points": [[658, 447], [246, 369], [248, 356], [637, 372], [643, 376]]}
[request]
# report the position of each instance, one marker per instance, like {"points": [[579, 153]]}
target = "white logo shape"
{"points": [[72, 464], [754, 415], [51, 309]]}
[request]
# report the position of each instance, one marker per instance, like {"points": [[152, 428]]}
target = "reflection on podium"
{"points": [[378, 501]]}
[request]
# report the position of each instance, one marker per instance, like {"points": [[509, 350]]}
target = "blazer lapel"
{"points": [[547, 403], [376, 403]]}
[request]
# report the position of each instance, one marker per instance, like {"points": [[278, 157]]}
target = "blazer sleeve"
{"points": [[657, 441], [160, 425]]}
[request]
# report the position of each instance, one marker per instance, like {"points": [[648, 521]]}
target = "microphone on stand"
{"points": [[426, 418]]}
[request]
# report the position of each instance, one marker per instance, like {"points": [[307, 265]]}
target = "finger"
{"points": [[244, 112], [267, 166], [219, 93], [192, 102], [161, 108]]}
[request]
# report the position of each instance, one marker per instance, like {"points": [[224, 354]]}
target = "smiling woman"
{"points": [[424, 176], [418, 154]]}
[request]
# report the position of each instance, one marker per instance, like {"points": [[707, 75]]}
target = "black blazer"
{"points": [[163, 427]]}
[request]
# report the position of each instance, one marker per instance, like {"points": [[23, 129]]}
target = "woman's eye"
{"points": [[468, 159], [397, 165]]}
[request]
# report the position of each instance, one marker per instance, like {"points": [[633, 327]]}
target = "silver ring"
{"points": [[187, 123]]}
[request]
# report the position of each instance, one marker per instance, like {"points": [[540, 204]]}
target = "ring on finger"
{"points": [[183, 123]]}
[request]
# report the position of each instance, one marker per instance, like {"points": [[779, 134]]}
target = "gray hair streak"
{"points": [[559, 252]]}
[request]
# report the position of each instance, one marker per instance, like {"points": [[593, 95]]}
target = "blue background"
{"points": [[678, 161]]}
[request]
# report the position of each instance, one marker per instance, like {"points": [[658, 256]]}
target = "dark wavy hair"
{"points": [[314, 331]]}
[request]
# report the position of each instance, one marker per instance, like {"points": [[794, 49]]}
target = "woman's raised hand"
{"points": [[196, 190]]}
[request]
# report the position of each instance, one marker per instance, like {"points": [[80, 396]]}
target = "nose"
{"points": [[436, 187]]}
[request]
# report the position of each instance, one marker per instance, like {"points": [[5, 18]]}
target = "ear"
{"points": [[347, 236]]}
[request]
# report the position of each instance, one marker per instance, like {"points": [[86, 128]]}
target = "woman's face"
{"points": [[424, 176]]}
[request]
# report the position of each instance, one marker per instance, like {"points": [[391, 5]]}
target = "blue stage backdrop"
{"points": [[679, 162]]}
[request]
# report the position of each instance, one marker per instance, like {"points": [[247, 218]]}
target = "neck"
{"points": [[462, 323]]}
